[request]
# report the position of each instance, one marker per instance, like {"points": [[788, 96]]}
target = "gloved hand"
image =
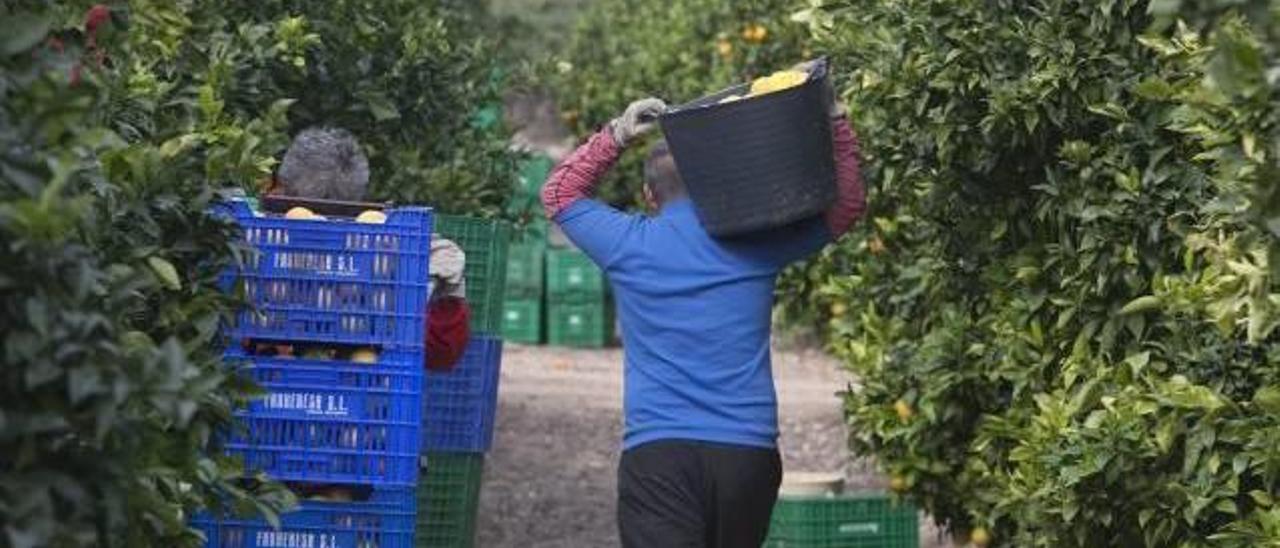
{"points": [[627, 127], [447, 264], [835, 107]]}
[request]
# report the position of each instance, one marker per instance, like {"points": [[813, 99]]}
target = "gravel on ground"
{"points": [[550, 477]]}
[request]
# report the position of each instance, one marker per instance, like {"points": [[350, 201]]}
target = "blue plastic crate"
{"points": [[332, 421], [386, 520], [460, 404], [333, 280]]}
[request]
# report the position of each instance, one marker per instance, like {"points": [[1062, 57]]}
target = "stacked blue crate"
{"points": [[460, 404], [354, 423], [458, 415], [385, 520]]}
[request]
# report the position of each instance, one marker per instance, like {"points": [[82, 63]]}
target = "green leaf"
{"points": [[1137, 362], [165, 271], [1140, 305], [20, 32], [82, 382], [380, 106], [1262, 498], [1164, 7], [1267, 399]]}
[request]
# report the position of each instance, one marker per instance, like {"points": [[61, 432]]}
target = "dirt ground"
{"points": [[549, 479]]}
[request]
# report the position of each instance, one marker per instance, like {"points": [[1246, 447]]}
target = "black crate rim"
{"points": [[736, 206]]}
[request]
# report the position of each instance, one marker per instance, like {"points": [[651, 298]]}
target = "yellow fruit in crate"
{"points": [[778, 81], [364, 355], [372, 216], [299, 213]]}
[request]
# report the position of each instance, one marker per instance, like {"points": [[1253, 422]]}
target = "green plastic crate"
{"points": [[485, 241], [487, 117], [580, 325], [522, 321], [525, 207], [532, 229], [573, 277], [844, 521], [534, 172], [448, 498], [524, 270]]}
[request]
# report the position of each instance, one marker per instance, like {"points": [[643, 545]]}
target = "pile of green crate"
{"points": [[579, 313], [486, 245], [866, 520], [449, 484], [448, 499], [522, 313], [522, 316], [549, 284]]}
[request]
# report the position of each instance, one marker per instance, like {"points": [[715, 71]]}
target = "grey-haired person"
{"points": [[327, 163]]}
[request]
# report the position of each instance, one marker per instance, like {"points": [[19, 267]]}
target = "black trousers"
{"points": [[690, 494]]}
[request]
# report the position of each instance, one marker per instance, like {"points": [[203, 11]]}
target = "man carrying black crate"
{"points": [[327, 164], [700, 465]]}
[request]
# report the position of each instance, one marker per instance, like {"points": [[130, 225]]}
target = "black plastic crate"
{"points": [[759, 162]]}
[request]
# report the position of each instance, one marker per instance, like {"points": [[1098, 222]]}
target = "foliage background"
{"points": [[408, 78], [1061, 308], [113, 144]]}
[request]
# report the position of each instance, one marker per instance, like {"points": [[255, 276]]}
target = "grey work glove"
{"points": [[447, 264], [636, 120]]}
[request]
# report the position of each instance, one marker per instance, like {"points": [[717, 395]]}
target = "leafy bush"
{"points": [[406, 77], [112, 383], [1061, 308], [624, 50], [113, 143]]}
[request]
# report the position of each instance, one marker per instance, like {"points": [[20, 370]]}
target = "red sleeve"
{"points": [[448, 328], [577, 176], [851, 197]]}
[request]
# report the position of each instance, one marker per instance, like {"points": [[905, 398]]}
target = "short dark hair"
{"points": [[661, 175], [325, 163]]}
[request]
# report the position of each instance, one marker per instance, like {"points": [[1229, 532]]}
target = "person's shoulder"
{"points": [[587, 206]]}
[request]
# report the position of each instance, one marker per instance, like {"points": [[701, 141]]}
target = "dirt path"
{"points": [[549, 479]]}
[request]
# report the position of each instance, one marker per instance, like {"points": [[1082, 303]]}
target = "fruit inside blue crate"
{"points": [[313, 351], [372, 216], [302, 214], [365, 355]]}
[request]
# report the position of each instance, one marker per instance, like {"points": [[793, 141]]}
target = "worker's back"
{"points": [[695, 314]]}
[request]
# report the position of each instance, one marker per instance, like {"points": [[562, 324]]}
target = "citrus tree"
{"points": [[1061, 306], [113, 385], [621, 51], [407, 77], [120, 125]]}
